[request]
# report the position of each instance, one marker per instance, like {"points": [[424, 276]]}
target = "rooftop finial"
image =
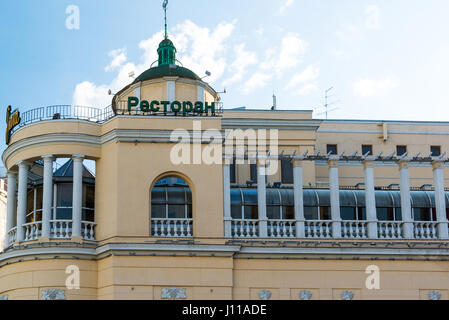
{"points": [[164, 5]]}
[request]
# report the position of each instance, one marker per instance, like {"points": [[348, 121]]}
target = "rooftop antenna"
{"points": [[164, 5], [327, 104]]}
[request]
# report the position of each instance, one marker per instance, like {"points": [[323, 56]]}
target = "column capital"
{"points": [[297, 163], [48, 157], [23, 163], [12, 174], [78, 157], [403, 164], [261, 162], [368, 164], [333, 163], [438, 164], [227, 159]]}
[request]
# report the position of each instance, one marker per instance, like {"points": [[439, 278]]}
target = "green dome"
{"points": [[165, 43], [166, 70]]}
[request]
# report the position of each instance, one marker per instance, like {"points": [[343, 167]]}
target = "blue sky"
{"points": [[385, 59]]}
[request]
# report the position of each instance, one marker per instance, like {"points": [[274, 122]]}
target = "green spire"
{"points": [[164, 5], [166, 50]]}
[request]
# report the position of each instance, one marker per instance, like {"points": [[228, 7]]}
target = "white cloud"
{"points": [[257, 80], [199, 49], [291, 53], [238, 68], [287, 3], [118, 58], [88, 94], [349, 33], [372, 17], [369, 88], [307, 89], [310, 74], [277, 61], [260, 30], [293, 50]]}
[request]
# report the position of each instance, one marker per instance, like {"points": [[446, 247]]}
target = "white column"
{"points": [[440, 200], [406, 207], [200, 94], [22, 198], [47, 195], [227, 199], [77, 195], [262, 198], [370, 199], [11, 203], [171, 90], [299, 199], [334, 198]]}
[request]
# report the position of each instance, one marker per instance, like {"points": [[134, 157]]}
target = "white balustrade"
{"points": [[32, 230], [245, 228], [172, 228], [354, 229], [60, 229], [88, 230], [318, 228], [12, 236], [390, 229], [425, 230], [281, 228]]}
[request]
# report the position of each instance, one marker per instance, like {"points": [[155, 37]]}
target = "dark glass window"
{"points": [[64, 201], [401, 150], [367, 149], [171, 200], [422, 214], [288, 212], [253, 172], [273, 212], [435, 150], [232, 172], [88, 202], [311, 213], [325, 213], [332, 149], [286, 172], [385, 214], [348, 213]]}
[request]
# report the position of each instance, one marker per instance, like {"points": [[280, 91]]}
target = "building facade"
{"points": [[296, 208]]}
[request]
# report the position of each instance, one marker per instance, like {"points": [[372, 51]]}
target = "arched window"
{"points": [[171, 208]]}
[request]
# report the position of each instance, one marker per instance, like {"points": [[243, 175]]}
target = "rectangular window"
{"points": [[274, 212], [325, 213], [332, 149], [232, 172], [288, 212], [286, 172], [311, 213], [435, 150], [401, 150], [348, 213], [367, 149], [253, 172], [385, 214]]}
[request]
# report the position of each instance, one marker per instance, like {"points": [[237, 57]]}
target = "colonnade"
{"points": [[336, 222], [18, 184]]}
